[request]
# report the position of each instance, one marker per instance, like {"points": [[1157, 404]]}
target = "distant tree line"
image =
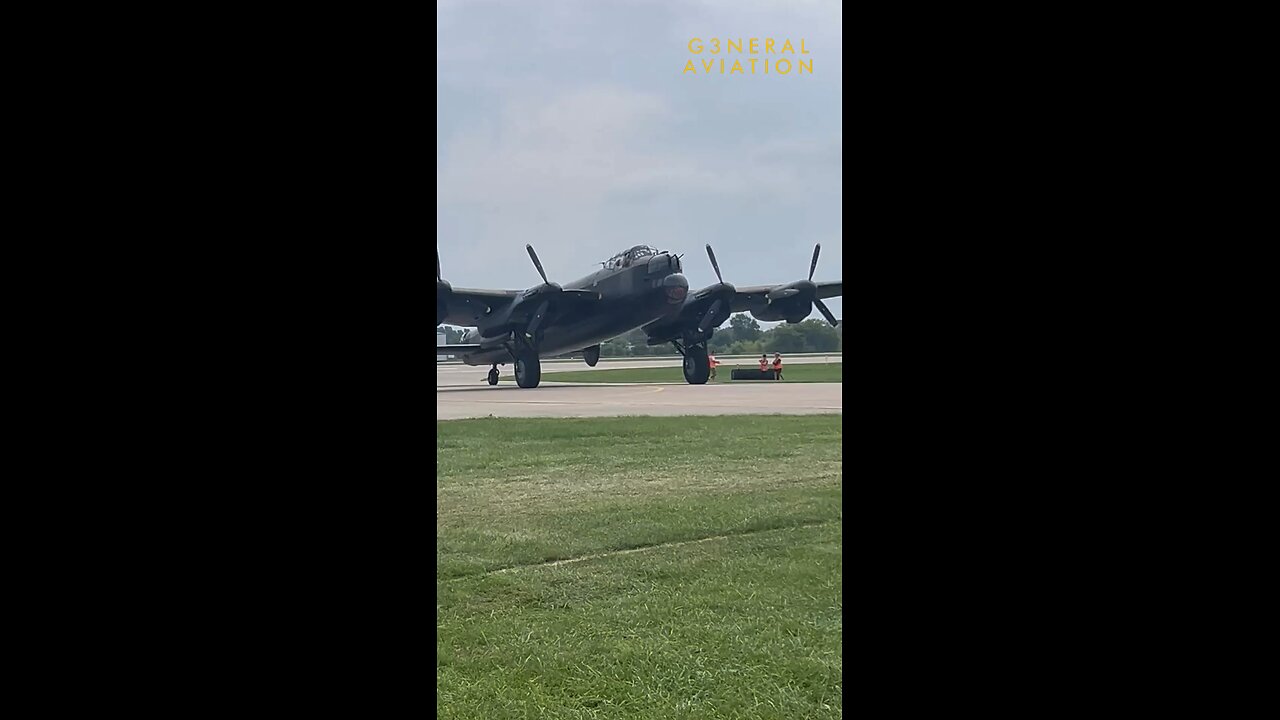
{"points": [[742, 336]]}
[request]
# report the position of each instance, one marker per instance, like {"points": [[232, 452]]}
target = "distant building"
{"points": [[442, 339]]}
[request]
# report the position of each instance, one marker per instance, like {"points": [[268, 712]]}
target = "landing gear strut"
{"points": [[493, 375], [697, 368]]}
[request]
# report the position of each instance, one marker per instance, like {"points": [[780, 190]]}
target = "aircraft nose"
{"points": [[664, 263], [675, 287]]}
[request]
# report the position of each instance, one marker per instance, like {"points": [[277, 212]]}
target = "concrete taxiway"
{"points": [[461, 392], [600, 400], [459, 375]]}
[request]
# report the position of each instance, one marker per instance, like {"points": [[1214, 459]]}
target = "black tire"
{"points": [[696, 366], [528, 370], [493, 376]]}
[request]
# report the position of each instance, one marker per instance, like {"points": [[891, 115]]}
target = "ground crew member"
{"points": [[711, 360], [777, 365], [764, 363]]}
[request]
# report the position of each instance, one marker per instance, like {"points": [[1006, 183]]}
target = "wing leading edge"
{"points": [[745, 297], [467, 305]]}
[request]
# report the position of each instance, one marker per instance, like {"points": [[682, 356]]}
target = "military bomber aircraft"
{"points": [[638, 288]]}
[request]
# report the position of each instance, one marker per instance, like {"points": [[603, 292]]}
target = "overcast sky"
{"points": [[569, 124]]}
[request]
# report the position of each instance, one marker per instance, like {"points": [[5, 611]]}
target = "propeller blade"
{"points": [[825, 312], [538, 317], [711, 254], [536, 263], [814, 265], [706, 319]]}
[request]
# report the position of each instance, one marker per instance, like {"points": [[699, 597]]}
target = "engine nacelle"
{"points": [[791, 308]]}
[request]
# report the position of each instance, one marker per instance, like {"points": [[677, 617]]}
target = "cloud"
{"points": [[568, 125]]}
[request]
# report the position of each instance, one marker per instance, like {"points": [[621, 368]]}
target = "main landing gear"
{"points": [[697, 368], [528, 370], [528, 367], [525, 357]]}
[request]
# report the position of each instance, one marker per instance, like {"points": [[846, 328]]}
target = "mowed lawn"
{"points": [[807, 373], [701, 573]]}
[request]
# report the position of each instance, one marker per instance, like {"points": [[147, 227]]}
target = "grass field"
{"points": [[807, 372], [700, 573]]}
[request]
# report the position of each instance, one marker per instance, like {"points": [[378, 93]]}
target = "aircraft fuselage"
{"points": [[630, 297]]}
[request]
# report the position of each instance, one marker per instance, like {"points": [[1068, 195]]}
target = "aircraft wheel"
{"points": [[696, 366], [493, 376], [528, 370]]}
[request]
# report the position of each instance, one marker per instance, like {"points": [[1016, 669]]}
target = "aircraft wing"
{"points": [[749, 295], [467, 305], [746, 296], [459, 349]]}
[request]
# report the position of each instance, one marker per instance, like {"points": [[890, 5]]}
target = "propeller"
{"points": [[703, 325], [550, 287], [804, 290], [549, 292], [724, 293], [444, 291], [537, 263], [825, 312], [817, 248], [711, 313], [538, 316], [714, 265]]}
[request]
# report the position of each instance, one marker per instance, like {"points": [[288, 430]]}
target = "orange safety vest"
{"points": [[714, 361], [777, 364], [764, 364]]}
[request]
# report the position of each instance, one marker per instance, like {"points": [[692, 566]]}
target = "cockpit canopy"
{"points": [[628, 257]]}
